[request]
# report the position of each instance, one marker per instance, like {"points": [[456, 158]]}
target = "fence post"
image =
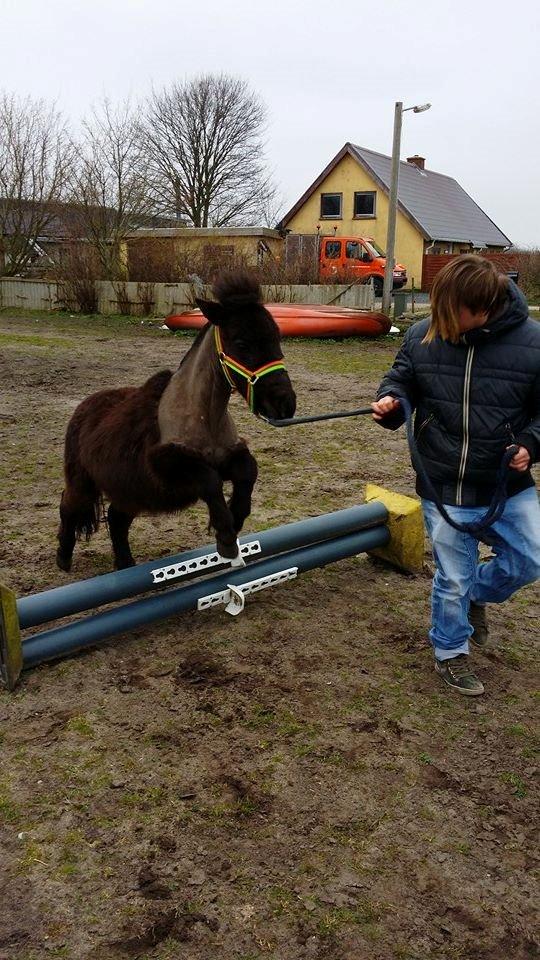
{"points": [[11, 657]]}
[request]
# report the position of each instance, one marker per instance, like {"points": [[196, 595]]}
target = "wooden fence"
{"points": [[433, 262], [162, 299], [29, 294]]}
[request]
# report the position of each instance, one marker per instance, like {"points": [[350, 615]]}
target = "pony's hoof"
{"points": [[124, 563], [229, 551], [63, 561], [237, 561]]}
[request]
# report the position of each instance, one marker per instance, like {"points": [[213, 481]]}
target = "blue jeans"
{"points": [[460, 578]]}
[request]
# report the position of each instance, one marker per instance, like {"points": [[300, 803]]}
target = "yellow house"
{"points": [[435, 214]]}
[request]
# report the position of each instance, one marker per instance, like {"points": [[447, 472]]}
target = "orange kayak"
{"points": [[304, 320]]}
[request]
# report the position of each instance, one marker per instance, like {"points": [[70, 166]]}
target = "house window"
{"points": [[364, 204], [331, 205]]}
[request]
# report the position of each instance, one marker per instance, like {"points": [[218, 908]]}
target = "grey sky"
{"points": [[328, 72]]}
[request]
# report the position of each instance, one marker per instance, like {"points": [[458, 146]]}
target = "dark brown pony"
{"points": [[160, 447]]}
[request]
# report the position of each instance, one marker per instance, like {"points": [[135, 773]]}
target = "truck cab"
{"points": [[357, 259]]}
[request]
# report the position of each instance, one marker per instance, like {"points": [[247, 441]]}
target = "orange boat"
{"points": [[304, 320]]}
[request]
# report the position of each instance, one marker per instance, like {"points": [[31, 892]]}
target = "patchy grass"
{"points": [[44, 343], [516, 783], [86, 325], [9, 811], [318, 787]]}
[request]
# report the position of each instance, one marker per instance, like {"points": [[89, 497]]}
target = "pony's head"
{"points": [[248, 345]]}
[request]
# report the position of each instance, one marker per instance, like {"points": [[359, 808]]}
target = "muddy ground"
{"points": [[294, 783]]}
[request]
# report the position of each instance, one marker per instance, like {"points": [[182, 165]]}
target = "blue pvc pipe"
{"points": [[111, 587], [87, 632]]}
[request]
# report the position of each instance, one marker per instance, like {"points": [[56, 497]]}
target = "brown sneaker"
{"points": [[457, 673], [478, 621]]}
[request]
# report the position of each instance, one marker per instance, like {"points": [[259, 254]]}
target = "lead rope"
{"points": [[477, 528], [292, 421]]}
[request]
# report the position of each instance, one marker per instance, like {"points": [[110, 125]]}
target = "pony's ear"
{"points": [[213, 311]]}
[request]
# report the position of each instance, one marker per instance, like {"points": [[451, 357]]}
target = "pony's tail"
{"points": [[237, 288], [81, 502], [82, 509], [88, 520]]}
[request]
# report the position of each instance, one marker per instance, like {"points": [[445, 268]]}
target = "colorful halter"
{"points": [[228, 363]]}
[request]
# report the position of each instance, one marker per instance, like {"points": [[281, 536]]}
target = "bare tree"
{"points": [[35, 160], [206, 152], [272, 210], [110, 187]]}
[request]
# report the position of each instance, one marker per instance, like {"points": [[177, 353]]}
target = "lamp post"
{"points": [[392, 202]]}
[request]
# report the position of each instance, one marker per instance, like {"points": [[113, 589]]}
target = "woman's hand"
{"points": [[521, 460], [385, 406]]}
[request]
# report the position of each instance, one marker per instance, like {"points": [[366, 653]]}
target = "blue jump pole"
{"points": [[87, 594], [61, 641]]}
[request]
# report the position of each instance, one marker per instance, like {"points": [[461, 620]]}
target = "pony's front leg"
{"points": [[119, 524], [241, 470], [174, 463], [221, 518]]}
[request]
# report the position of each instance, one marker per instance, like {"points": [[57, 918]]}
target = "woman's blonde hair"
{"points": [[468, 281]]}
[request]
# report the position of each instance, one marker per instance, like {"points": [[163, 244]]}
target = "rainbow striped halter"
{"points": [[252, 376]]}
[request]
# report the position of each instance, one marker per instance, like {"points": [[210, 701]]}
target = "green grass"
{"points": [[9, 811], [363, 914], [82, 726], [519, 788], [82, 324], [16, 340]]}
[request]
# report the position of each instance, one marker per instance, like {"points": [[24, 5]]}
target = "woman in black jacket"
{"points": [[472, 373]]}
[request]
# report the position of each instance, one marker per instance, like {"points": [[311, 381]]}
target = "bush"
{"points": [[303, 270], [152, 260], [529, 272], [147, 297], [157, 260], [76, 269]]}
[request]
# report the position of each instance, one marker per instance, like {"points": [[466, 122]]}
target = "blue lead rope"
{"points": [[477, 528]]}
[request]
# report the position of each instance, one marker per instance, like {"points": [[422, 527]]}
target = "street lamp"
{"points": [[392, 202]]}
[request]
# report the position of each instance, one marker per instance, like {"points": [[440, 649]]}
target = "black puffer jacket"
{"points": [[473, 399]]}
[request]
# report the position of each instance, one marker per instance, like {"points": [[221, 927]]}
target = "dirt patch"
{"points": [[293, 783]]}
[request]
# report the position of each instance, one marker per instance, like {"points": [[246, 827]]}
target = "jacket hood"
{"points": [[514, 312]]}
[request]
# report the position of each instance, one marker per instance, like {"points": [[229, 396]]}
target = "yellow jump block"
{"points": [[406, 526]]}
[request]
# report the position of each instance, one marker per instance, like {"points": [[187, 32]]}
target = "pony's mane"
{"points": [[200, 336], [234, 290], [237, 288]]}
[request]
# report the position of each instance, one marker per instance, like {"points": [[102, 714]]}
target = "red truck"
{"points": [[348, 258]]}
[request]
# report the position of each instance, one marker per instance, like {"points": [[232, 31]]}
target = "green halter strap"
{"points": [[228, 363]]}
